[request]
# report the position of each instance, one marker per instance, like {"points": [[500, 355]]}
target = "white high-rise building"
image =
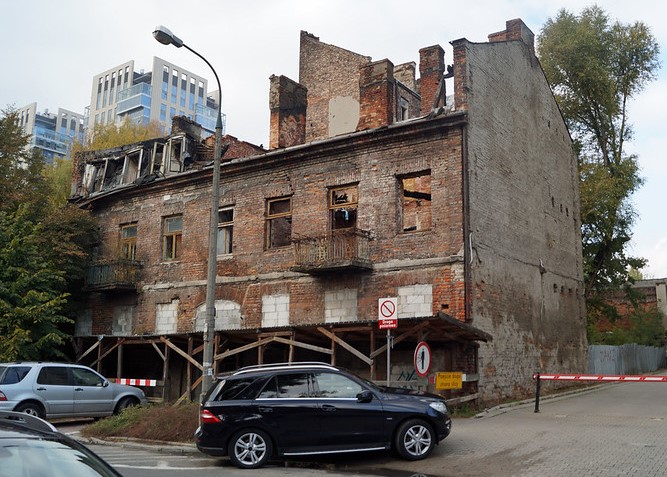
{"points": [[166, 91], [52, 134]]}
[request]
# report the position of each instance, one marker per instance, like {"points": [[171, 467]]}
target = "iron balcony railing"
{"points": [[338, 250], [112, 275]]}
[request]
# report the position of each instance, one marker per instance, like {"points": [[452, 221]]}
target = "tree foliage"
{"points": [[595, 66], [105, 136], [45, 246]]}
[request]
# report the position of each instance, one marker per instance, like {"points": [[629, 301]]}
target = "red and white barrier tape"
{"points": [[137, 382], [601, 378]]}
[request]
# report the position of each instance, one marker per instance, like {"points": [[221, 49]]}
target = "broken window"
{"points": [[416, 198], [113, 175], [403, 113], [172, 231], [343, 207], [132, 164], [128, 241], [278, 222], [225, 229], [158, 154]]}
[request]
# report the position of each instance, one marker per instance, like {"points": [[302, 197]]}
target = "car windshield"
{"points": [[23, 457]]}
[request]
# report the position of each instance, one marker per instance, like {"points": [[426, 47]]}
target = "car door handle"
{"points": [[328, 408], [265, 409], [78, 389], [41, 389]]}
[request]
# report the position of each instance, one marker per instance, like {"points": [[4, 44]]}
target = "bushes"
{"points": [[159, 422]]}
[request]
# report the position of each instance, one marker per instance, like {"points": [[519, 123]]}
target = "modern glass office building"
{"points": [[52, 134], [158, 95]]}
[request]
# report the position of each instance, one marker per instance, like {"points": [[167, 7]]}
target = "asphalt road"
{"points": [[613, 430]]}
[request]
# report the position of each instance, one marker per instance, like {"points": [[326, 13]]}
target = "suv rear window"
{"points": [[13, 374], [236, 389]]}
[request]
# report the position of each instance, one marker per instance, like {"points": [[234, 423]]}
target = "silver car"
{"points": [[52, 390]]}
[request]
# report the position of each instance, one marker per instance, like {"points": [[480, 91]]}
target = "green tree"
{"points": [[595, 67], [31, 293], [45, 245]]}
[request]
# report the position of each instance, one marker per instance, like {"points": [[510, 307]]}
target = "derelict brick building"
{"points": [[376, 184]]}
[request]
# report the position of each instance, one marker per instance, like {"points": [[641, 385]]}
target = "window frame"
{"points": [[271, 217], [335, 207], [228, 227], [127, 246], [172, 241]]}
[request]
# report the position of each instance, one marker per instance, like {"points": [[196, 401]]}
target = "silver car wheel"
{"points": [[252, 449], [417, 440]]}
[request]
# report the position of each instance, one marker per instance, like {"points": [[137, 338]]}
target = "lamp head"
{"points": [[166, 37]]}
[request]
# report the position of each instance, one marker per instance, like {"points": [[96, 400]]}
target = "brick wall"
{"points": [[526, 265]]}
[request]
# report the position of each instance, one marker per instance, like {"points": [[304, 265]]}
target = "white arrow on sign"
{"points": [[422, 359]]}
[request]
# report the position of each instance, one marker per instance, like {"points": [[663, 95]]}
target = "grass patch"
{"points": [[159, 422]]}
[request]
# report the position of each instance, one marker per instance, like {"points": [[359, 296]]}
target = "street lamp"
{"points": [[166, 37]]}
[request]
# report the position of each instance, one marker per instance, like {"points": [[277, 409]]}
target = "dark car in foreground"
{"points": [[297, 409], [53, 390], [31, 447]]}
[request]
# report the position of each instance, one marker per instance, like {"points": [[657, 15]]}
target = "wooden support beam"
{"points": [[345, 345], [159, 351], [101, 356], [302, 345], [119, 360], [243, 348], [89, 350], [181, 352], [400, 338]]}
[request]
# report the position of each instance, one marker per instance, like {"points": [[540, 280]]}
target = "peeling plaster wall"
{"points": [[526, 265]]}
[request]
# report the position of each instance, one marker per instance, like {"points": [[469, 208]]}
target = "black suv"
{"points": [[294, 409], [32, 447]]}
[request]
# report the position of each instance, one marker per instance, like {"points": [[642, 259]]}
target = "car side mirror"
{"points": [[365, 396], [105, 383]]}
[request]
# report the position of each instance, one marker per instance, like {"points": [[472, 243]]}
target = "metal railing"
{"points": [[114, 274], [337, 248]]}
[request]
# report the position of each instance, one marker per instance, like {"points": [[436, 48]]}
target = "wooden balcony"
{"points": [[342, 250], [113, 276]]}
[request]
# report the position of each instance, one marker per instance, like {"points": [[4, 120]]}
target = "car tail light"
{"points": [[2, 396], [207, 417]]}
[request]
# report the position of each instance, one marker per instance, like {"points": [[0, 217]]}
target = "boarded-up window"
{"points": [[416, 210], [278, 222]]}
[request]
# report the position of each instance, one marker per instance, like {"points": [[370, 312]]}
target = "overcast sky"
{"points": [[52, 49]]}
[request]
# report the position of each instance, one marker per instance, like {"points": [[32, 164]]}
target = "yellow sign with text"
{"points": [[448, 381]]}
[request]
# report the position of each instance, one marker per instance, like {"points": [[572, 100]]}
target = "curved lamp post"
{"points": [[166, 37]]}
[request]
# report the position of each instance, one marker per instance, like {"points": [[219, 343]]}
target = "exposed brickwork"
{"points": [[431, 70], [287, 103], [376, 89]]}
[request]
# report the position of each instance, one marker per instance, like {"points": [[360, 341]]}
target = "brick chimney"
{"points": [[376, 95], [287, 102], [431, 71], [515, 30]]}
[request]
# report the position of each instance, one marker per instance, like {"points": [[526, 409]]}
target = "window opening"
{"points": [[278, 222], [128, 241], [172, 236], [416, 202], [343, 203], [225, 230]]}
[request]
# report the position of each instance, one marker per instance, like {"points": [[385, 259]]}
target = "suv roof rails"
{"points": [[27, 420], [299, 364]]}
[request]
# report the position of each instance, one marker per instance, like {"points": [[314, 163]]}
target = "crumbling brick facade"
{"points": [[373, 187]]}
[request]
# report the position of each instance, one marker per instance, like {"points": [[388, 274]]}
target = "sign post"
{"points": [[388, 320]]}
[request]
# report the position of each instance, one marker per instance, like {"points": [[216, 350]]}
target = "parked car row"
{"points": [[251, 415]]}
